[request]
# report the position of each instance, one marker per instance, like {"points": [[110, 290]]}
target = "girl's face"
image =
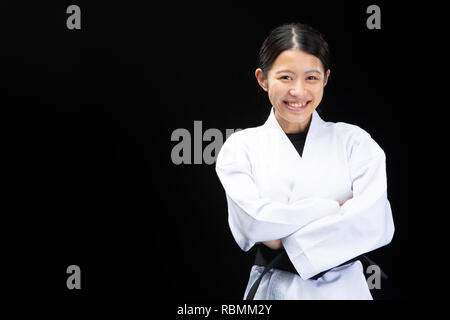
{"points": [[295, 86]]}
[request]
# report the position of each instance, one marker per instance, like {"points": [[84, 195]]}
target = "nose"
{"points": [[298, 90]]}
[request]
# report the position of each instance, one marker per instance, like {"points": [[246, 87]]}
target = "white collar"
{"points": [[316, 123]]}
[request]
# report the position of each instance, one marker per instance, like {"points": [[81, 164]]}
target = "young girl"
{"points": [[310, 194]]}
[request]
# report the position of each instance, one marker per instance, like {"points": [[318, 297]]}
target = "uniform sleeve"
{"points": [[364, 223], [251, 217]]}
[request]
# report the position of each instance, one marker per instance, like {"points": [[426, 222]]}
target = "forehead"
{"points": [[297, 61]]}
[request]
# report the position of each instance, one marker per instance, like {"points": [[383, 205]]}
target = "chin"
{"points": [[299, 119], [302, 116]]}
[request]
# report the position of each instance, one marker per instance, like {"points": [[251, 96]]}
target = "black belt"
{"points": [[279, 259]]}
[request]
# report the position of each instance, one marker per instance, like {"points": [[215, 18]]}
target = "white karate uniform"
{"points": [[274, 193]]}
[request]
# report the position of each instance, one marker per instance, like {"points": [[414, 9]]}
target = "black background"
{"points": [[87, 118]]}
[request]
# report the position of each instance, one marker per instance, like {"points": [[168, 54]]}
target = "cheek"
{"points": [[317, 92], [276, 91]]}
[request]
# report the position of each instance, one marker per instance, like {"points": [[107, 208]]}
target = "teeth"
{"points": [[296, 105]]}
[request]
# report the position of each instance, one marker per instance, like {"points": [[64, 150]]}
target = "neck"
{"points": [[293, 127]]}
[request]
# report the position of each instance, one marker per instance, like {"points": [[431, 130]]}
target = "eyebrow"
{"points": [[289, 71]]}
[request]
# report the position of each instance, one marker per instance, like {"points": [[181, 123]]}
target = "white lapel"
{"points": [[313, 132], [284, 154]]}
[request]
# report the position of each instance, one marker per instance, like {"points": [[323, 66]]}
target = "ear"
{"points": [[327, 75], [261, 79]]}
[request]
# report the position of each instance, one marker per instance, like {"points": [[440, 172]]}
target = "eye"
{"points": [[286, 78], [312, 78]]}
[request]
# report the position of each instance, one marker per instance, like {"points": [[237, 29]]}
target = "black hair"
{"points": [[293, 36]]}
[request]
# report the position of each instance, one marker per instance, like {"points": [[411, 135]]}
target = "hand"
{"points": [[274, 244], [341, 203]]}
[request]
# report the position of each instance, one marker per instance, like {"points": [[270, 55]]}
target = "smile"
{"points": [[296, 106]]}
